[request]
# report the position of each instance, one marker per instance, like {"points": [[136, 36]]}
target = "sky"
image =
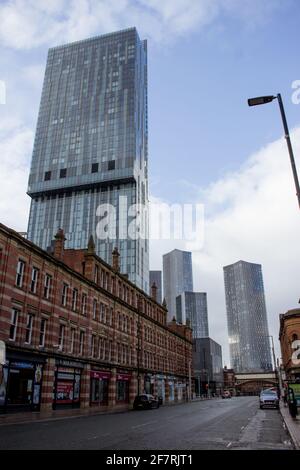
{"points": [[206, 146]]}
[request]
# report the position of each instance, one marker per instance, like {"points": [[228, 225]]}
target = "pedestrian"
{"points": [[285, 395]]}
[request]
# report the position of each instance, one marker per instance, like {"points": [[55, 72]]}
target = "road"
{"points": [[235, 423]]}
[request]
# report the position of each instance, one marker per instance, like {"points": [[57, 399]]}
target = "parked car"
{"points": [[268, 399], [145, 402], [226, 394]]}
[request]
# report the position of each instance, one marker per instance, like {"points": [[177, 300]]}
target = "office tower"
{"points": [[155, 276], [177, 277], [207, 366], [249, 341], [89, 162], [192, 306]]}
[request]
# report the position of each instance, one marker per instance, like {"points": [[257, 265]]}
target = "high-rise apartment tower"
{"points": [[89, 162]]}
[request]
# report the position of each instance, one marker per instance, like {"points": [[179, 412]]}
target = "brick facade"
{"points": [[83, 319], [289, 337]]}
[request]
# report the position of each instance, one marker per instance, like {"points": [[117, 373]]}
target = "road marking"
{"points": [[242, 427], [144, 424], [228, 445]]}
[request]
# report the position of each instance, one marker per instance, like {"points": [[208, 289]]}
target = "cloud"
{"points": [[251, 214], [15, 149], [32, 23]]}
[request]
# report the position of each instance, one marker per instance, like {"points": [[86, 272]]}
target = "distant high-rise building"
{"points": [[207, 366], [177, 277], [155, 276], [91, 150], [249, 342], [192, 306]]}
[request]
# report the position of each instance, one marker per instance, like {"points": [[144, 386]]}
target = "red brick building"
{"points": [[229, 380], [79, 333], [289, 337]]}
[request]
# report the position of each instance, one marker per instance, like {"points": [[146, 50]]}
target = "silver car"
{"points": [[268, 399]]}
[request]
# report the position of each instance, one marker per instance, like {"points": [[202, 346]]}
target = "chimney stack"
{"points": [[59, 244], [116, 260], [154, 291]]}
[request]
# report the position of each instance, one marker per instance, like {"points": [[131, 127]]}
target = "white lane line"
{"points": [[228, 445], [242, 428], [144, 424]]}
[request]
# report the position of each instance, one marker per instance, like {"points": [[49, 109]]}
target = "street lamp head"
{"points": [[260, 100]]}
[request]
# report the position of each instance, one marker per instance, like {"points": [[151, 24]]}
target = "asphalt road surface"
{"points": [[235, 423]]}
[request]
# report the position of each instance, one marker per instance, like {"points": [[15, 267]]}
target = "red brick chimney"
{"points": [[116, 260], [154, 291], [59, 244]]}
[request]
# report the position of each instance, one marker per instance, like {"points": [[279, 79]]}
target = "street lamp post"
{"points": [[267, 99], [139, 345], [275, 366]]}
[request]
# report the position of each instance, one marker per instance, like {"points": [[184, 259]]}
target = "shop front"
{"points": [[20, 383], [181, 387], [66, 393], [99, 387], [149, 384], [171, 389], [122, 384], [161, 393]]}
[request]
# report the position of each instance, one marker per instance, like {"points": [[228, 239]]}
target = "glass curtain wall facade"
{"points": [[192, 306], [91, 150], [248, 332], [177, 277]]}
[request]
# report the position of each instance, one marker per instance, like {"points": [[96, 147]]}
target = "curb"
{"points": [[290, 430]]}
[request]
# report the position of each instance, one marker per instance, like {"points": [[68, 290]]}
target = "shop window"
{"points": [[29, 325], [34, 280], [99, 390], [20, 273], [42, 332], [13, 324], [123, 391]]}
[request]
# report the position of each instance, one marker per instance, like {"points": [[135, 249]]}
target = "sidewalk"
{"points": [[293, 425], [54, 415]]}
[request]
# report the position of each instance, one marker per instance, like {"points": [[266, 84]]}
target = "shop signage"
{"points": [[123, 377], [66, 363], [100, 375], [22, 365]]}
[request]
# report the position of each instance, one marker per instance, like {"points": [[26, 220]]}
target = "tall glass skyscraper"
{"points": [[177, 277], [249, 341], [89, 162], [192, 306]]}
